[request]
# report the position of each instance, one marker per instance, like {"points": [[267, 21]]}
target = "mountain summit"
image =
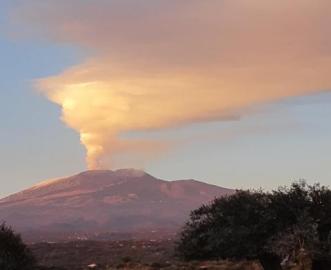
{"points": [[124, 200]]}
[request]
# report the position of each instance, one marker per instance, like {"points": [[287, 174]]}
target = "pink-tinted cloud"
{"points": [[159, 63]]}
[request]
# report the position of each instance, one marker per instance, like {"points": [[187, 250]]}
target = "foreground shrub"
{"points": [[14, 255], [282, 226]]}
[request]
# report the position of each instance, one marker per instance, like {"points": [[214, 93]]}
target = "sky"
{"points": [[234, 93]]}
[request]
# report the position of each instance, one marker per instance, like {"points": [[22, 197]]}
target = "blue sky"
{"points": [[273, 145], [31, 132]]}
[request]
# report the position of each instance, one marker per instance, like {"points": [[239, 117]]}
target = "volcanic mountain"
{"points": [[114, 201]]}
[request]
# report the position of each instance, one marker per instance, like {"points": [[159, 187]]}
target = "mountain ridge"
{"points": [[114, 201]]}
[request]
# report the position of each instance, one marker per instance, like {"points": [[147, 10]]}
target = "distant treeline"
{"points": [[286, 228]]}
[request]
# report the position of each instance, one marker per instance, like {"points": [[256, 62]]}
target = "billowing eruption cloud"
{"points": [[156, 64]]}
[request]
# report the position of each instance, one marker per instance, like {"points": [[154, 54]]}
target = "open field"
{"points": [[141, 254]]}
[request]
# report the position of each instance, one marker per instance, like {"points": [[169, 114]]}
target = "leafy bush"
{"points": [[272, 227], [14, 255]]}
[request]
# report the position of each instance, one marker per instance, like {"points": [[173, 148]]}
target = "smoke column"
{"points": [[161, 64]]}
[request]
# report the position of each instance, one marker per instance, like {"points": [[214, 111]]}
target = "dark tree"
{"points": [[321, 214], [290, 224], [234, 227], [14, 254]]}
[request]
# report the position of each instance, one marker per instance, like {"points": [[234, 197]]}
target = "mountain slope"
{"points": [[97, 201]]}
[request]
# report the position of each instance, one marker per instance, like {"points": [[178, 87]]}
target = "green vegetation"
{"points": [[289, 228], [285, 228], [14, 255]]}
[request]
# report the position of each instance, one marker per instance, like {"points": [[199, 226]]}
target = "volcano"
{"points": [[98, 201]]}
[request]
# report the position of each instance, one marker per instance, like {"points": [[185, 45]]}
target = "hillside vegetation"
{"points": [[287, 229]]}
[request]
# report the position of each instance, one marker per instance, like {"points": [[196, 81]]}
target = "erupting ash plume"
{"points": [[157, 64]]}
